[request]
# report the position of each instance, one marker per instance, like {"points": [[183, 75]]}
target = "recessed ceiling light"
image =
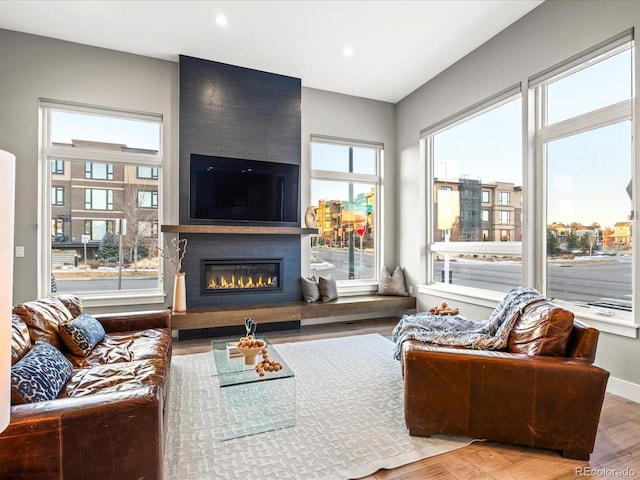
{"points": [[222, 20], [347, 52]]}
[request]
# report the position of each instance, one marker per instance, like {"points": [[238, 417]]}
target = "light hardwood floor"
{"points": [[616, 454]]}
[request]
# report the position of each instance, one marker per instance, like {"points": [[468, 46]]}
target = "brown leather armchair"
{"points": [[527, 399]]}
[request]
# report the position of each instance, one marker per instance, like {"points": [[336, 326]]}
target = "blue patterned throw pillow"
{"points": [[81, 334], [40, 375]]}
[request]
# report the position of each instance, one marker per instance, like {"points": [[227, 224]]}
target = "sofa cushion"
{"points": [[20, 341], [124, 347], [119, 377], [43, 317], [542, 329], [40, 375], [72, 302], [81, 334]]}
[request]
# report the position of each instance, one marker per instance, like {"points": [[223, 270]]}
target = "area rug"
{"points": [[349, 418]]}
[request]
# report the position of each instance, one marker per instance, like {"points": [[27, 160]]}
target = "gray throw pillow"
{"points": [[328, 288], [392, 284], [310, 289]]}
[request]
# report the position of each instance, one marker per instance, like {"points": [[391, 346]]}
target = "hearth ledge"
{"points": [[239, 229]]}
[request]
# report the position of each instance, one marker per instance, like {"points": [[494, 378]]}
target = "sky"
{"points": [[133, 133]]}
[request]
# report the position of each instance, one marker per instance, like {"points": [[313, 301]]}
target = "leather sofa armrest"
{"points": [[131, 321], [73, 436]]}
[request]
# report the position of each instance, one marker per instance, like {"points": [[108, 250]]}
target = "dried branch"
{"points": [[180, 247]]}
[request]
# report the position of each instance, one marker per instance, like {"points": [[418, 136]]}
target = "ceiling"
{"points": [[397, 45]]}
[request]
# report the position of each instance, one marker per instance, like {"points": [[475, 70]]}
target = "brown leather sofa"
{"points": [[108, 421], [542, 391]]}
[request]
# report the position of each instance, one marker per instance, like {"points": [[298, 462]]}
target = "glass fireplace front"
{"points": [[232, 276]]}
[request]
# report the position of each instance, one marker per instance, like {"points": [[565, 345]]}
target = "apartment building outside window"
{"points": [[102, 185], [345, 189]]}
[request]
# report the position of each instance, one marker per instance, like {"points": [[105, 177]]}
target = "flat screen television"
{"points": [[228, 190]]}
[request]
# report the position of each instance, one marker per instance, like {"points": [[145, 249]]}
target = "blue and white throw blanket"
{"points": [[491, 334]]}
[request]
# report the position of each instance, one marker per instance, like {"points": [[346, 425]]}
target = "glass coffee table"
{"points": [[250, 403]]}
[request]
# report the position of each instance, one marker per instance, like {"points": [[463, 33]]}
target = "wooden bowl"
{"points": [[250, 354]]}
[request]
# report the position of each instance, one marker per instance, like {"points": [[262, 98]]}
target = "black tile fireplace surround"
{"points": [[279, 252], [237, 112], [241, 113]]}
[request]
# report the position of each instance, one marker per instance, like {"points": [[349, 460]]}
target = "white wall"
{"points": [[551, 33]]}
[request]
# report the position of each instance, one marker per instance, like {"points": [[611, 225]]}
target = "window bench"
{"points": [[224, 316]]}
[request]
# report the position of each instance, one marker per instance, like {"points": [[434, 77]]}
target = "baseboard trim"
{"points": [[624, 389]]}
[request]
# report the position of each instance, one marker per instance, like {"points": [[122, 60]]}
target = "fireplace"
{"points": [[240, 276]]}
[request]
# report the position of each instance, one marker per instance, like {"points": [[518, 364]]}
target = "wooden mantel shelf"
{"points": [[239, 229]]}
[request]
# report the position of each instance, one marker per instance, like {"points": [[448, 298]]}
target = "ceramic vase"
{"points": [[311, 217], [179, 294]]}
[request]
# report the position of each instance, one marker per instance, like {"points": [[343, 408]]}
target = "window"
{"points": [[98, 171], [97, 229], [98, 199], [112, 164], [584, 135], [147, 199], [505, 217], [345, 189], [147, 172], [472, 154], [57, 196], [57, 227], [148, 229], [57, 167]]}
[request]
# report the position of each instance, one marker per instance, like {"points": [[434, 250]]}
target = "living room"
{"points": [[40, 68]]}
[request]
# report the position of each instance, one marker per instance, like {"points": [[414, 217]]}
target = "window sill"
{"points": [[489, 299], [347, 288], [122, 299]]}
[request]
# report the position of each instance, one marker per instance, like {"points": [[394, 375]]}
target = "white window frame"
{"points": [[514, 248], [356, 286], [63, 153], [534, 225], [609, 320]]}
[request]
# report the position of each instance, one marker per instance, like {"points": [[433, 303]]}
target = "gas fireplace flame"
{"points": [[231, 282]]}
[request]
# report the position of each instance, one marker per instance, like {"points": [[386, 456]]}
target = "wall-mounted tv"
{"points": [[229, 190]]}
